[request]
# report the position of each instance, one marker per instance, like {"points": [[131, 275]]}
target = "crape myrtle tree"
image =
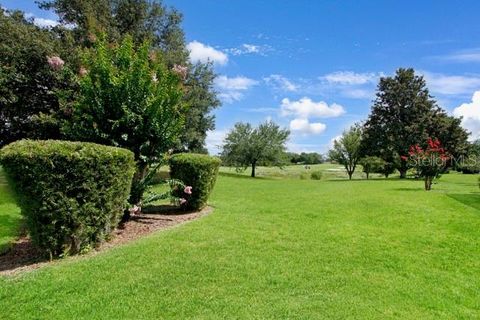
{"points": [[346, 149], [246, 146], [405, 114], [129, 99], [429, 161], [31, 75], [147, 20]]}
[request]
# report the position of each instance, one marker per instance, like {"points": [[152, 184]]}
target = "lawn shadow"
{"points": [[469, 199], [238, 175]]}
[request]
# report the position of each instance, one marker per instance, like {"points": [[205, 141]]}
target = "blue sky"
{"points": [[313, 66]]}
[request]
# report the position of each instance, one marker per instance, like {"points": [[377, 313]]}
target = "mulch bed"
{"points": [[23, 256]]}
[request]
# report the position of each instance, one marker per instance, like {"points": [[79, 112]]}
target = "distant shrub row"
{"points": [[315, 175]]}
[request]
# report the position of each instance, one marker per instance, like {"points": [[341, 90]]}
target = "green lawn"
{"points": [[9, 214], [282, 248]]}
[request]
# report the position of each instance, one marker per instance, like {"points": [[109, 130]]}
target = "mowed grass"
{"points": [[9, 215], [273, 249], [329, 171]]}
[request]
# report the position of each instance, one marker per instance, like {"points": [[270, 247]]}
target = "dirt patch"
{"points": [[23, 256]]}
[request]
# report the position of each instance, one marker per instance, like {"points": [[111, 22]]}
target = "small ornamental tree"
{"points": [[129, 99], [346, 149], [428, 161], [372, 164]]}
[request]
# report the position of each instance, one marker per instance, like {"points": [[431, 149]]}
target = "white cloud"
{"points": [[350, 77], [280, 83], [303, 126], [247, 48], [41, 22], [200, 52], [45, 23], [451, 85], [470, 112], [471, 55], [214, 141], [251, 48], [305, 108], [232, 89], [332, 141], [235, 83]]}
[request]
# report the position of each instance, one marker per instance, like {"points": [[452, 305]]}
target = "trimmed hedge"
{"points": [[72, 194], [197, 170]]}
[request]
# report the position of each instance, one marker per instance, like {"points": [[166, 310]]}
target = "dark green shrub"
{"points": [[72, 194], [316, 175], [197, 170]]}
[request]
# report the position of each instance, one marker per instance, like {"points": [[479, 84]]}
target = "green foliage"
{"points": [[72, 194], [305, 158], [346, 150], [372, 164], [316, 175], [160, 25], [29, 105], [198, 171], [304, 176], [129, 99], [245, 145], [201, 98], [470, 164], [404, 114]]}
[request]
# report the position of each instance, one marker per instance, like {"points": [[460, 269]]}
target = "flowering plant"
{"points": [[428, 161]]}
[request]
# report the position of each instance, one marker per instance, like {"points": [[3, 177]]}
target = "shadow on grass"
{"points": [[469, 199], [239, 175]]}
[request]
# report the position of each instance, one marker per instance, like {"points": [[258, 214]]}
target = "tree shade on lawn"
{"points": [[378, 249]]}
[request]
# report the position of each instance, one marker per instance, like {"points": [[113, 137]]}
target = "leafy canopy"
{"points": [[129, 99], [346, 150], [404, 114], [247, 146]]}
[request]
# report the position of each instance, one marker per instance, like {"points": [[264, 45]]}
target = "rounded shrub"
{"points": [[197, 170], [72, 194], [304, 176], [316, 175]]}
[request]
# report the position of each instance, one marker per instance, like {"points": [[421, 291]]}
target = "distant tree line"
{"points": [[304, 158], [404, 114]]}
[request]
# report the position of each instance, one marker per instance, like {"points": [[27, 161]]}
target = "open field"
{"points": [[280, 248]]}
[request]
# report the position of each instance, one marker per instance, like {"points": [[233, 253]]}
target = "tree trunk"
{"points": [[403, 173], [428, 183], [367, 174], [137, 188], [350, 173], [253, 169]]}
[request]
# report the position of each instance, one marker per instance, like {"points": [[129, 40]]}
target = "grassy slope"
{"points": [[278, 249], [9, 214]]}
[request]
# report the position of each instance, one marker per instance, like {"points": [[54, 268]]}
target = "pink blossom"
{"points": [[135, 210], [82, 72], [182, 201], [180, 70], [188, 190], [55, 62]]}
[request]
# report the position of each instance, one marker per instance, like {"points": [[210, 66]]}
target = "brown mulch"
{"points": [[24, 256]]}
